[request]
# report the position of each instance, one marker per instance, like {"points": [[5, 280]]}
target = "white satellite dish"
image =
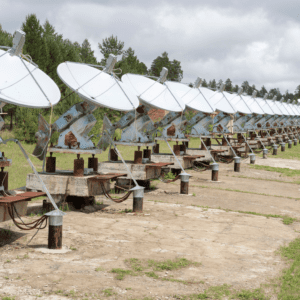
{"points": [[239, 103], [265, 105], [21, 82], [254, 105], [282, 108], [154, 93], [289, 109], [97, 86], [275, 108], [192, 97], [220, 101]]}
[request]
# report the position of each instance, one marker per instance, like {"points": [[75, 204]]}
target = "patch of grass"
{"points": [[265, 179], [121, 273], [73, 249], [152, 274], [135, 264], [169, 175], [99, 269], [108, 292], [194, 195], [125, 211], [169, 265], [290, 280], [99, 202], [152, 187], [286, 171], [8, 298], [257, 294], [226, 291], [245, 192]]}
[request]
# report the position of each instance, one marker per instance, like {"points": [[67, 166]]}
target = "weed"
{"points": [[121, 273], [170, 175], [8, 298], [135, 264], [99, 269], [8, 261], [170, 265], [249, 295], [152, 275], [129, 288], [72, 248], [240, 191], [194, 194], [6, 277], [286, 171], [290, 280], [99, 202], [125, 211], [152, 187], [108, 292], [64, 207]]}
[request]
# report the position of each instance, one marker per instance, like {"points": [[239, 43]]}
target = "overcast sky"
{"points": [[258, 41]]}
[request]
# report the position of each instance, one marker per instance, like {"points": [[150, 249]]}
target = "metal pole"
{"points": [[184, 177]]}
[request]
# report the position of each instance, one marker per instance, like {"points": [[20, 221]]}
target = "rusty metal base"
{"points": [[50, 164], [78, 167], [93, 163], [4, 180], [214, 175], [137, 204], [237, 167], [184, 188], [55, 237]]}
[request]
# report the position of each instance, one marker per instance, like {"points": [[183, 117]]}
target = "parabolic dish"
{"points": [[275, 108], [221, 102], [153, 93], [97, 86], [192, 97], [296, 109], [19, 87], [254, 105], [265, 105], [239, 103], [289, 108], [282, 108]]}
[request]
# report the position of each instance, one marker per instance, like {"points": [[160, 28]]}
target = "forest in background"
{"points": [[48, 49]]}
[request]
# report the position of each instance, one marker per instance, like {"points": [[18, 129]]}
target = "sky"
{"points": [[257, 41]]}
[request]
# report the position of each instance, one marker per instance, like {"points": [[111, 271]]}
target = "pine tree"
{"points": [[213, 84], [228, 85], [131, 64], [35, 44], [110, 45], [204, 83], [5, 38], [245, 86], [235, 89], [262, 91], [87, 54], [175, 72]]}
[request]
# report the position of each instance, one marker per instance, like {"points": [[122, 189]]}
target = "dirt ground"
{"points": [[232, 248]]}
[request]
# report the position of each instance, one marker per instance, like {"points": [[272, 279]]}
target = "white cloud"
{"points": [[240, 40]]}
